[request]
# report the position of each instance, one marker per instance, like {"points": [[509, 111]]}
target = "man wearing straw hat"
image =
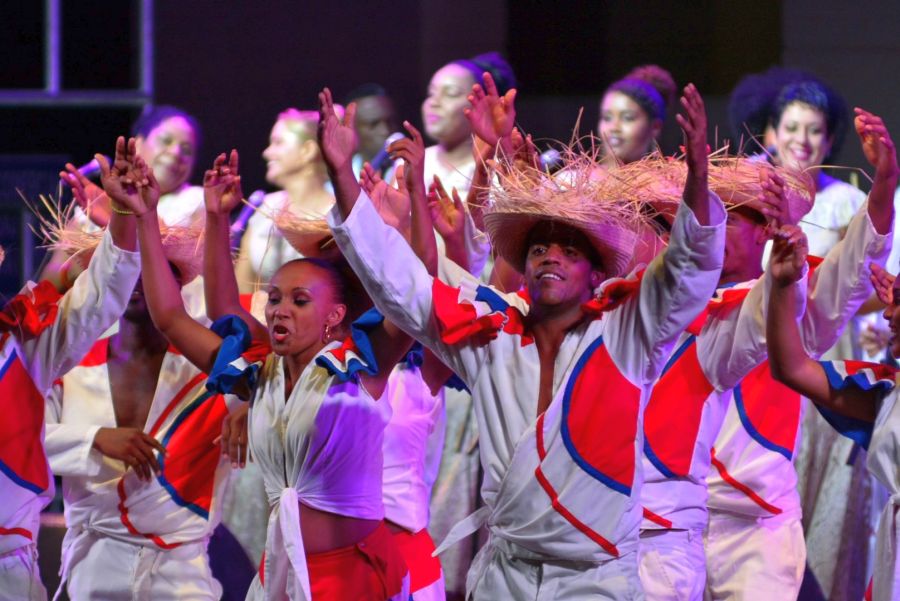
{"points": [[754, 539], [146, 528], [559, 377], [41, 337], [722, 348]]}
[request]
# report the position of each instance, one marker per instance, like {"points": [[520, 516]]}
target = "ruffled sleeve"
{"points": [[32, 311], [355, 353], [239, 358], [865, 376], [475, 313]]}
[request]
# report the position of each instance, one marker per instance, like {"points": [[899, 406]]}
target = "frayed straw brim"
{"points": [[526, 197], [658, 182], [182, 246], [309, 237]]}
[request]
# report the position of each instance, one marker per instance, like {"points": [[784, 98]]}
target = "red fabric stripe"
{"points": [[262, 569], [554, 498], [174, 402], [17, 531], [657, 519], [743, 487], [97, 355], [127, 521]]}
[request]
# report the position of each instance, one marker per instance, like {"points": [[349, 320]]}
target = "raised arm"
{"points": [[693, 123], [338, 142], [881, 153], [412, 152], [133, 186], [221, 194], [448, 217], [788, 360], [492, 116]]}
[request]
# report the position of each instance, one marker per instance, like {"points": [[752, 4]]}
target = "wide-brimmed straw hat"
{"points": [[309, 236], [182, 245], [526, 197], [657, 182]]}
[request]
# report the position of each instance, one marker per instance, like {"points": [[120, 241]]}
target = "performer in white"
{"points": [[858, 398], [754, 541], [42, 337], [558, 392], [132, 396]]}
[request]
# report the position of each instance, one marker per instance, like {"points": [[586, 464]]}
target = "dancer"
{"points": [[754, 506], [43, 336], [148, 528], [858, 398], [317, 412], [563, 516]]}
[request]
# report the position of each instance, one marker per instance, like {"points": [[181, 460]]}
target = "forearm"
{"points": [[160, 288], [788, 360], [220, 287], [422, 239], [696, 193], [122, 228], [881, 201], [478, 192], [346, 187]]}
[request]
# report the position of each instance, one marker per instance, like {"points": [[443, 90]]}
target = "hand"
{"points": [[89, 196], [491, 116], [876, 143], [392, 204], [128, 181], [412, 152], [222, 185], [234, 436], [525, 154], [693, 124], [131, 445], [337, 137], [773, 202], [883, 283], [874, 339], [789, 252], [448, 216]]}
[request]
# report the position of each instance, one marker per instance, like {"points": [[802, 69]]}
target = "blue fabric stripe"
{"points": [[656, 461], [566, 434], [9, 362], [18, 480], [678, 353], [859, 379], [235, 340], [493, 300], [856, 430], [161, 478], [359, 332], [751, 429]]}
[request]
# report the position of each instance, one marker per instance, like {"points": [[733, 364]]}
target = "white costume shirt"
{"points": [[731, 345], [180, 505], [755, 449], [322, 447], [28, 367], [538, 496]]}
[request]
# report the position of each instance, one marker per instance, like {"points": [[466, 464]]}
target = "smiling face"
{"points": [[290, 149], [301, 304], [442, 110], [559, 270], [169, 149], [802, 139], [625, 128]]}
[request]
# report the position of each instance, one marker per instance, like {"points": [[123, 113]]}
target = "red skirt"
{"points": [[417, 549]]}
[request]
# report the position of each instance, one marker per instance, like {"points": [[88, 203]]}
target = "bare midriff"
{"points": [[324, 531]]}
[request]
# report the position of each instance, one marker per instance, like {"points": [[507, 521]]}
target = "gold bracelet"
{"points": [[116, 209]]}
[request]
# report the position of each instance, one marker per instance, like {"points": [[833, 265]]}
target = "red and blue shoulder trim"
{"points": [[239, 356], [471, 312], [29, 313], [355, 354]]}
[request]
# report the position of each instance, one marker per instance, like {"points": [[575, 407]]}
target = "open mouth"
{"points": [[279, 333], [549, 276]]}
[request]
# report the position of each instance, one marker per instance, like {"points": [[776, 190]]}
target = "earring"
{"points": [[326, 334]]}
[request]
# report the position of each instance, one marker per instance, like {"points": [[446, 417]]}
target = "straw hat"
{"points": [[309, 236], [737, 181], [526, 197], [182, 245]]}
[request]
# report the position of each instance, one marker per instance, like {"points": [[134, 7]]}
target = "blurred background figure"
{"points": [[295, 166], [376, 119]]}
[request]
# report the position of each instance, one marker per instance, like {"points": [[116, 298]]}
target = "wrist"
{"points": [[120, 209]]}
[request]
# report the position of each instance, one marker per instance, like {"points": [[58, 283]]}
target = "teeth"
{"points": [[550, 276]]}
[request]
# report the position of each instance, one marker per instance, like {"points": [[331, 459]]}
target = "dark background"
{"points": [[236, 65]]}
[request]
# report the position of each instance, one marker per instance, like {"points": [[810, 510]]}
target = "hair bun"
{"points": [[659, 78]]}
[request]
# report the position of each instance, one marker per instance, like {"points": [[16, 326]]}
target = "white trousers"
{"points": [[112, 570], [20, 579], [672, 565], [754, 558], [504, 571]]}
